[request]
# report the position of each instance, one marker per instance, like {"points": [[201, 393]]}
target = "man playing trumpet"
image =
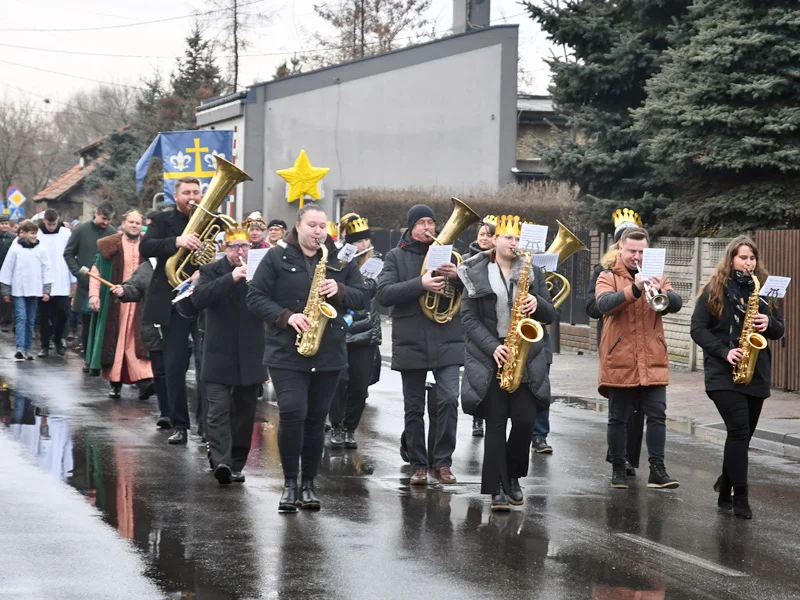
{"points": [[634, 361]]}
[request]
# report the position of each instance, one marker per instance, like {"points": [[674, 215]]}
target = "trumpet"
{"points": [[656, 299]]}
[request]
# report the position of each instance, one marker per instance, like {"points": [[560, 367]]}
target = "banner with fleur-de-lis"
{"points": [[186, 154]]}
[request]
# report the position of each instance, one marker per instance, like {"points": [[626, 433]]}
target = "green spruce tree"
{"points": [[610, 51], [722, 120]]}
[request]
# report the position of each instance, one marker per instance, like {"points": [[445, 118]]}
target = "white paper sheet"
{"points": [[254, 258], [533, 238], [775, 286], [347, 252], [653, 260], [437, 256], [548, 262], [372, 268]]}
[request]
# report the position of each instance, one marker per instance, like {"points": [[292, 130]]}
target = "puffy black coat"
{"points": [[280, 288], [480, 322], [135, 290], [591, 301], [366, 327], [417, 342], [159, 243], [233, 344], [718, 335]]}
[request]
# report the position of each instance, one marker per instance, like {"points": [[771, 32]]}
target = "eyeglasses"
{"points": [[238, 247]]}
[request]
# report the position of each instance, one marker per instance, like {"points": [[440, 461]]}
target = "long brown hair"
{"points": [[722, 272]]}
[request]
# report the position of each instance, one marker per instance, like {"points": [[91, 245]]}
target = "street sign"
{"points": [[15, 197], [16, 213]]}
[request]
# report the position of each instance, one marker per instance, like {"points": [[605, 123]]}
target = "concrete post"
{"points": [[698, 273]]}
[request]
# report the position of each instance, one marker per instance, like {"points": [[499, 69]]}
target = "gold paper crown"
{"points": [[236, 234], [491, 220], [333, 230], [626, 215], [347, 218], [357, 225], [508, 225]]}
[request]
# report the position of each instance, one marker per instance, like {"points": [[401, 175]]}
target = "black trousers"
{"points": [[159, 378], [740, 413], [433, 418], [201, 395], [176, 361], [86, 324], [230, 420], [506, 459], [634, 432], [53, 319], [303, 402], [654, 405], [351, 394]]}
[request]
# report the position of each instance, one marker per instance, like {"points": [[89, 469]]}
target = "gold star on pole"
{"points": [[303, 179]]}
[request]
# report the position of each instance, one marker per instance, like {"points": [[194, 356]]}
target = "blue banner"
{"points": [[186, 154]]}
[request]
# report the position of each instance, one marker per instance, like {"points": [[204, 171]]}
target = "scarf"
{"points": [[738, 291]]}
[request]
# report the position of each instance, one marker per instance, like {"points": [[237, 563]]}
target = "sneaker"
{"points": [[420, 477], [619, 480], [164, 423], [630, 470], [30, 356], [660, 479], [540, 446], [444, 475], [350, 440], [19, 355], [61, 349], [44, 353], [477, 428], [337, 438]]}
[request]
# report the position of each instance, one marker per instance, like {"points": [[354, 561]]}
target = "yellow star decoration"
{"points": [[303, 179]]}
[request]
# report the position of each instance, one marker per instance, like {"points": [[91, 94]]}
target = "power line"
{"points": [[137, 24], [47, 99], [133, 87]]}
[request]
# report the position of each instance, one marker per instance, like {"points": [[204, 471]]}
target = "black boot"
{"points": [[288, 501], [723, 487], [308, 498], [741, 507], [500, 502], [116, 388], [619, 480], [514, 494]]}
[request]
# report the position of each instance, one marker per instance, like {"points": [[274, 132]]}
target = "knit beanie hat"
{"points": [[417, 212]]}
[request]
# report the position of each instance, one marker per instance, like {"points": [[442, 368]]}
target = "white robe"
{"points": [[55, 243], [26, 270]]}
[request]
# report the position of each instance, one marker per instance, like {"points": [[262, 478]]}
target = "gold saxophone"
{"points": [[750, 342], [317, 310], [522, 332]]}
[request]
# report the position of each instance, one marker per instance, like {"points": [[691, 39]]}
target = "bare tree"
{"points": [[368, 27]]}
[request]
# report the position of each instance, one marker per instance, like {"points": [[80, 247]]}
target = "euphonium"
{"points": [[317, 310], [461, 218], [750, 342], [565, 245], [522, 332], [204, 222]]}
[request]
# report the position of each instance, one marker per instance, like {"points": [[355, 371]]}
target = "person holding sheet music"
{"points": [[634, 361], [363, 340], [716, 327]]}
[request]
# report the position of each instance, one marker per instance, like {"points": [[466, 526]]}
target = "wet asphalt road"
{"points": [[574, 538]]}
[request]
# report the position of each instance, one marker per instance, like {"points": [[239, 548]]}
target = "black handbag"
{"points": [[376, 366]]}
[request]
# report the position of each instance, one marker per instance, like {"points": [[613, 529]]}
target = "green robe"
{"points": [[94, 347]]}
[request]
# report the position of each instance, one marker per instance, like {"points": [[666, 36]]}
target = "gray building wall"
{"points": [[439, 114]]}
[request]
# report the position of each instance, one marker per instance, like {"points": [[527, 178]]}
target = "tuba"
{"points": [[565, 245], [204, 222], [461, 218], [750, 341]]}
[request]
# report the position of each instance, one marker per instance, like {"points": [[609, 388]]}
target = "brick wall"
{"points": [[578, 337]]}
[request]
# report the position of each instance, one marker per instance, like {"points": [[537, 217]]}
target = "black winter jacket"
{"points": [[591, 301], [479, 316], [159, 243], [280, 288], [6, 239], [135, 288], [417, 342], [366, 327], [233, 345], [718, 335]]}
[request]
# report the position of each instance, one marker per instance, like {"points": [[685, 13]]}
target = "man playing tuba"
{"points": [[420, 345]]}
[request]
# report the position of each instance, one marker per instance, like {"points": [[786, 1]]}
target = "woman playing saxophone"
{"points": [[492, 302], [729, 305], [305, 352]]}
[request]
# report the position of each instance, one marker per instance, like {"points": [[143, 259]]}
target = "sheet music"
{"points": [[347, 252], [254, 258], [188, 291], [437, 256], [533, 238], [548, 262], [653, 260], [775, 286], [372, 268]]}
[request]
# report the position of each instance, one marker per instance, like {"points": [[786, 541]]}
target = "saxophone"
{"points": [[317, 310], [522, 332], [750, 342]]}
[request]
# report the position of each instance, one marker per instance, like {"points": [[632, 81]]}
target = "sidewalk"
{"points": [[573, 380]]}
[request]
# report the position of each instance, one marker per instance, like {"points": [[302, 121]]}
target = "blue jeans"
{"points": [[25, 320], [542, 426]]}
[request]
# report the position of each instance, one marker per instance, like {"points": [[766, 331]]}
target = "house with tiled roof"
{"points": [[68, 193]]}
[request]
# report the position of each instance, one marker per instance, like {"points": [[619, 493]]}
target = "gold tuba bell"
{"points": [[461, 218], [565, 245], [204, 222]]}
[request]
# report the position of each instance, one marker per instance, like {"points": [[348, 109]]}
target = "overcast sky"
{"points": [[67, 56]]}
